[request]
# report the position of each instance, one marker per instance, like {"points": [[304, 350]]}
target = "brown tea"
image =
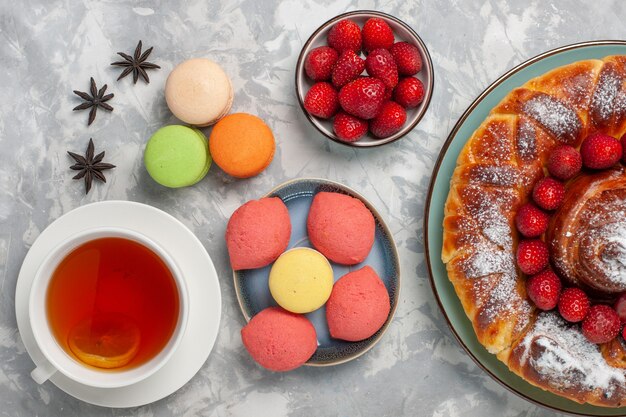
{"points": [[112, 303]]}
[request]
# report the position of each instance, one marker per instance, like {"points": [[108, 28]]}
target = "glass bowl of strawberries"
{"points": [[364, 78]]}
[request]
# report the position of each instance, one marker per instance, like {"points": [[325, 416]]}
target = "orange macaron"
{"points": [[242, 145]]}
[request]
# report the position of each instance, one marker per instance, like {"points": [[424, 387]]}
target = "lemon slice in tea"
{"points": [[109, 340]]}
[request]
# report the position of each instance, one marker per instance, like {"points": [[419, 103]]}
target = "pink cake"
{"points": [[341, 227], [358, 305], [279, 340], [257, 233]]}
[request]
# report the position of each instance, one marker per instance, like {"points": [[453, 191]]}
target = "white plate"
{"points": [[205, 302]]}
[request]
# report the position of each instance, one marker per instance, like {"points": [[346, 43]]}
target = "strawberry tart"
{"points": [[535, 231]]}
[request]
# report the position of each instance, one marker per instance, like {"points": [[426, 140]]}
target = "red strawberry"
{"points": [[363, 97], [389, 121], [532, 256], [601, 324], [573, 304], [409, 92], [380, 64], [319, 63], [407, 57], [377, 34], [564, 162], [345, 35], [321, 100], [620, 307], [388, 93], [623, 142], [348, 68], [549, 193], [600, 151], [544, 289], [349, 128], [531, 221]]}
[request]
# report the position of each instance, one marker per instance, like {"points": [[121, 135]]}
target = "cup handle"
{"points": [[43, 372]]}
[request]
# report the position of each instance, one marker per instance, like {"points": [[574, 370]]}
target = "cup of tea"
{"points": [[108, 307]]}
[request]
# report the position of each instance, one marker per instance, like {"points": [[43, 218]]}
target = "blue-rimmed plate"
{"points": [[433, 219], [252, 288]]}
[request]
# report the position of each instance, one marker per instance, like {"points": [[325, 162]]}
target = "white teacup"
{"points": [[57, 359]]}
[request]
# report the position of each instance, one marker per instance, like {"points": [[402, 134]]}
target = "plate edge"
{"points": [[370, 207]]}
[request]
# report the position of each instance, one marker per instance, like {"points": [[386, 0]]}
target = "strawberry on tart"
{"points": [[535, 231]]}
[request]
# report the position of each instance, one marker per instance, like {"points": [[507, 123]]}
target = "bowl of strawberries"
{"points": [[364, 78]]}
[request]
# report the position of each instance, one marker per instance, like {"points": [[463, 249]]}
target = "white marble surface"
{"points": [[50, 47]]}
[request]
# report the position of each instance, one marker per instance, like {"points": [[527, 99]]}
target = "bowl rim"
{"points": [[427, 88], [434, 174], [394, 302]]}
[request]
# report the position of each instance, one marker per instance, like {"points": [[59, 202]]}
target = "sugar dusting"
{"points": [[526, 141], [597, 246], [499, 233], [485, 207], [603, 100], [506, 175], [486, 263], [620, 105], [567, 359], [555, 116], [493, 260], [577, 89], [613, 256]]}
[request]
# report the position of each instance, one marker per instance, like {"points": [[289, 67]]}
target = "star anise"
{"points": [[90, 166], [136, 64], [95, 100]]}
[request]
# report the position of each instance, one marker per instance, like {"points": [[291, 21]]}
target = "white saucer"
{"points": [[205, 300]]}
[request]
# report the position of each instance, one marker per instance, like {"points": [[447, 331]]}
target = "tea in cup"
{"points": [[108, 307]]}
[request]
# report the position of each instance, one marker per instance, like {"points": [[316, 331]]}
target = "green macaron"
{"points": [[177, 156]]}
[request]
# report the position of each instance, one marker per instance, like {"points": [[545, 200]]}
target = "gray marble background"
{"points": [[50, 47]]}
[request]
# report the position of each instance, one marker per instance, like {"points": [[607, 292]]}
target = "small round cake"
{"points": [[242, 145], [358, 305], [257, 233], [301, 280], [341, 227], [279, 340], [198, 92], [177, 156]]}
